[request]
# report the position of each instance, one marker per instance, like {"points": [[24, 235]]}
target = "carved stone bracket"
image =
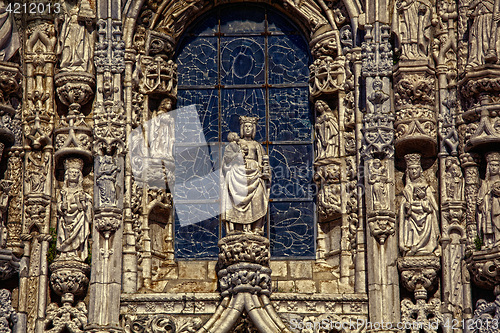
{"points": [[245, 277], [414, 91], [107, 220], [485, 268], [69, 278], [486, 313], [75, 89], [244, 248], [419, 273], [381, 224]]}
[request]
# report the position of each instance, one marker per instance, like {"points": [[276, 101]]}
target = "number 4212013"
{"points": [[33, 8]]}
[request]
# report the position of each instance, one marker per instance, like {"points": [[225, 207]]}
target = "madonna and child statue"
{"points": [[246, 180]]}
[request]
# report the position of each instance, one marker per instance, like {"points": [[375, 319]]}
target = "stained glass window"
{"points": [[244, 60]]}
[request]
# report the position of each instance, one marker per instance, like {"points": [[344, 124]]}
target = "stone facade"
{"points": [[403, 123]]}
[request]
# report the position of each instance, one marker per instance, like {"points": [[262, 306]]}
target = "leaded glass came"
{"points": [[244, 60]]}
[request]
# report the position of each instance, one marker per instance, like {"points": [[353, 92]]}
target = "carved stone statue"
{"points": [[419, 229], [9, 37], [246, 180], [74, 211], [37, 172], [414, 26], [379, 179], [161, 131], [106, 173], [488, 202], [75, 43], [5, 186], [483, 45], [327, 130], [453, 179]]}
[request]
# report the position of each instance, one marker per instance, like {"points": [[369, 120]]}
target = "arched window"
{"points": [[244, 60]]}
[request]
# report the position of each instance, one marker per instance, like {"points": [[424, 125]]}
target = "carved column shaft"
{"points": [[378, 155]]}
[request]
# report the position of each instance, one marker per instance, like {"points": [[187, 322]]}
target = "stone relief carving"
{"points": [[5, 186], [9, 37], [245, 187], [414, 28], [160, 131], [419, 229], [76, 42], [483, 45], [327, 129], [8, 316], [488, 202], [107, 171], [330, 192], [74, 211], [36, 175], [60, 319], [378, 177], [453, 179]]}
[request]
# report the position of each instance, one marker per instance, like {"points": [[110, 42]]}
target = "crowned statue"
{"points": [[488, 202], [246, 180], [74, 210], [418, 223]]}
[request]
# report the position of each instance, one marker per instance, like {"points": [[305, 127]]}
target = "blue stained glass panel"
{"points": [[291, 104], [291, 167], [197, 62], [276, 23], [243, 102], [242, 60], [246, 19], [196, 230], [206, 27], [288, 59], [292, 229], [197, 172], [188, 123]]}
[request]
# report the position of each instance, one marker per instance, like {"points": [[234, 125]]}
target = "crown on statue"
{"points": [[412, 160], [251, 120], [493, 156], [73, 163]]}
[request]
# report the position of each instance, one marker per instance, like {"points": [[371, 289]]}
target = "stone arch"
{"points": [[313, 16]]}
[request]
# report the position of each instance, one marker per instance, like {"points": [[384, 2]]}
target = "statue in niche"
{"points": [[419, 229], [453, 179], [379, 179], [37, 172], [483, 44], [161, 131], [327, 129], [106, 173], [9, 37], [488, 202], [329, 195], [74, 211], [5, 186], [246, 180], [414, 28], [75, 42]]}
